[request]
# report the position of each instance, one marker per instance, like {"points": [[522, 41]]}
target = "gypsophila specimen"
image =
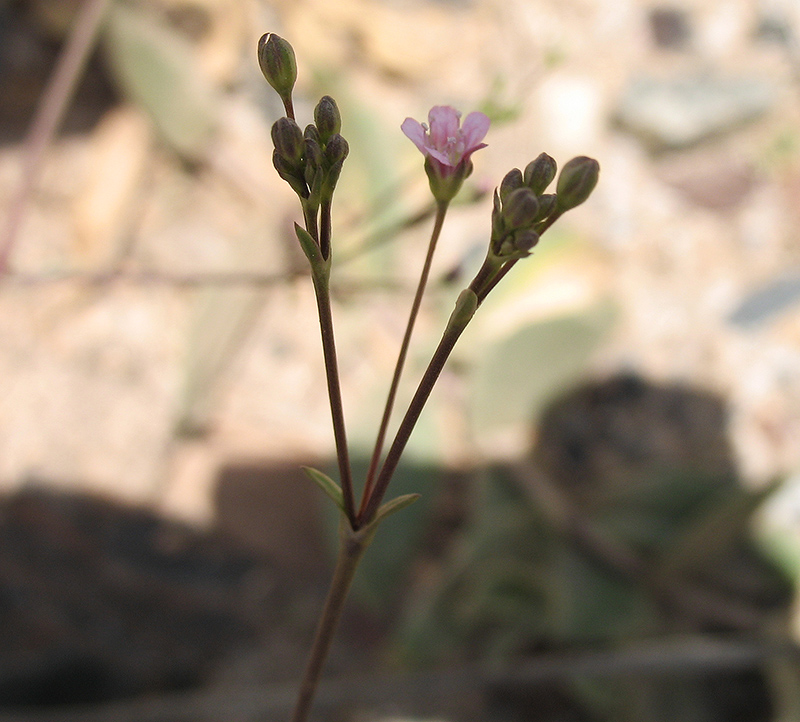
{"points": [[310, 161]]}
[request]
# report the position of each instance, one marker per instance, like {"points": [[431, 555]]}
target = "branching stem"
{"points": [[441, 211]]}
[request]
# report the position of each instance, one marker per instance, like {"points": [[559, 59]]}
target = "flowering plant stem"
{"points": [[352, 545], [441, 212], [355, 535], [322, 292]]}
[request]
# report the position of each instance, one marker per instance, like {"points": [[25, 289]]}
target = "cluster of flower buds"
{"points": [[311, 161], [523, 211]]}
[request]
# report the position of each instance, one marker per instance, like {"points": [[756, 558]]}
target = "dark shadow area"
{"points": [[100, 601], [608, 575]]}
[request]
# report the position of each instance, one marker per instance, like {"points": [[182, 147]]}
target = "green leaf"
{"points": [[156, 67], [390, 507], [383, 571], [309, 245], [328, 485]]}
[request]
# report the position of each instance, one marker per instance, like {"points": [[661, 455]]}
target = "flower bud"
{"points": [[336, 150], [576, 182], [290, 174], [288, 140], [539, 173], [327, 118], [277, 62], [520, 208], [512, 181], [313, 155], [547, 204], [524, 241]]}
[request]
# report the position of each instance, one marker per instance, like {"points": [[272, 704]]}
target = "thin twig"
{"points": [[53, 104]]}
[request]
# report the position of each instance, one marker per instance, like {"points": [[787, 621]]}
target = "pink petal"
{"points": [[416, 133], [475, 127], [441, 157], [443, 121]]}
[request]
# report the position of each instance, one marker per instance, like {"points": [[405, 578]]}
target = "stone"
{"points": [[682, 111]]}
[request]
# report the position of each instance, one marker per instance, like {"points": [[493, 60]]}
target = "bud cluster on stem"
{"points": [[522, 211]]}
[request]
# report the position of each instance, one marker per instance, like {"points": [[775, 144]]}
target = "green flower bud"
{"points": [[336, 149], [512, 181], [288, 140], [312, 133], [524, 241], [539, 173], [313, 155], [327, 118], [576, 182], [520, 208], [277, 62], [290, 174], [547, 204], [335, 153]]}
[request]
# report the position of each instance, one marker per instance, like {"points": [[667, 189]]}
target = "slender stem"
{"points": [[288, 107], [325, 229], [484, 282], [52, 106], [491, 265], [334, 392], [310, 218], [455, 327], [492, 281], [441, 211], [352, 546]]}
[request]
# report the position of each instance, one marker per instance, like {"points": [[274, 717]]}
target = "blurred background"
{"points": [[610, 465]]}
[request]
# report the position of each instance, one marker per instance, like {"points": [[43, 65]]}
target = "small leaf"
{"points": [[309, 245], [390, 507], [328, 485]]}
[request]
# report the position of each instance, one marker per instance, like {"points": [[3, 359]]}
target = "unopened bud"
{"points": [[520, 208], [539, 173], [547, 204], [313, 154], [327, 118], [337, 149], [576, 182], [277, 62], [511, 181], [335, 152], [524, 241], [288, 140], [290, 174]]}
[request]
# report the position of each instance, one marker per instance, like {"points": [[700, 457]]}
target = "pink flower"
{"points": [[443, 141]]}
